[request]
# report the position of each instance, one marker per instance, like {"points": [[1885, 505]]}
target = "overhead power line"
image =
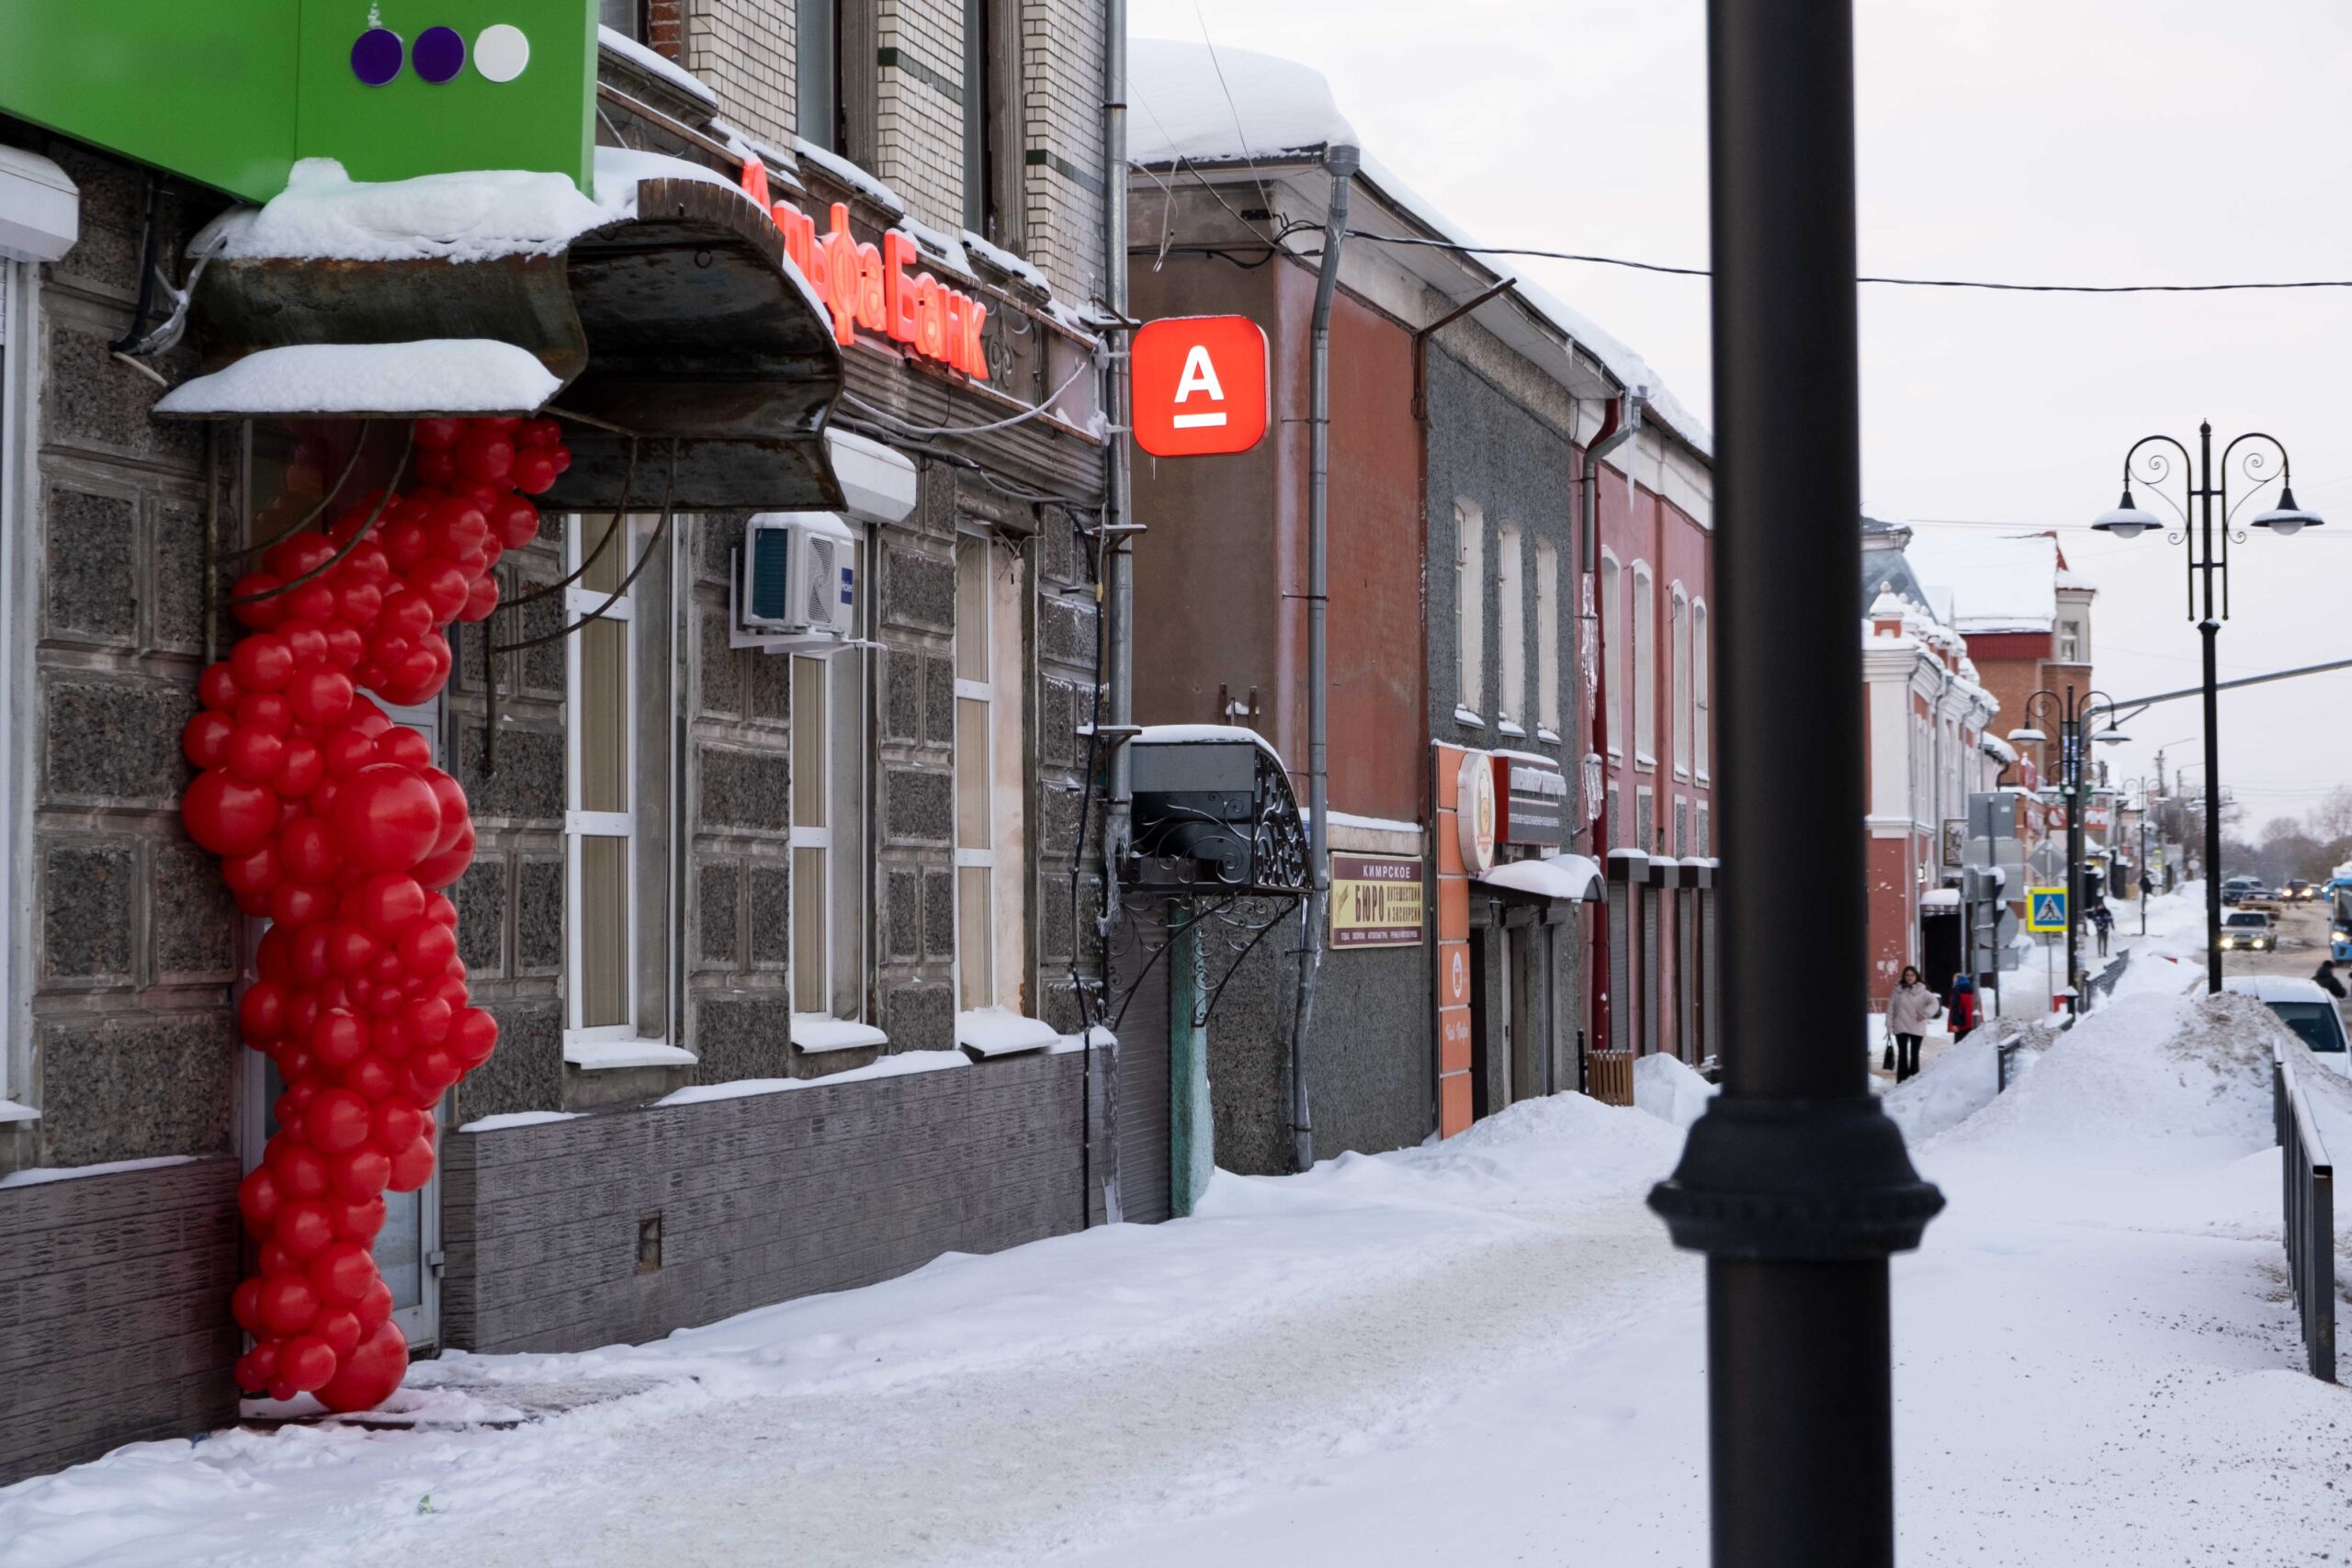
{"points": [[1895, 282]]}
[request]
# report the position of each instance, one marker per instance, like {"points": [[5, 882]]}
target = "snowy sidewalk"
{"points": [[1477, 1352]]}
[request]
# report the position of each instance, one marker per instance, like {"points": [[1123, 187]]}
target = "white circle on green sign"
{"points": [[501, 51]]}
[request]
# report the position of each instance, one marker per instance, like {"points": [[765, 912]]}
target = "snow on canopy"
{"points": [[446, 374], [1236, 106], [2006, 583]]}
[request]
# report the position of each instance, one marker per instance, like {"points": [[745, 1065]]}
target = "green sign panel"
{"points": [[229, 93]]}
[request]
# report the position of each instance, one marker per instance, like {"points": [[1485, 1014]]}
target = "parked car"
{"points": [[2234, 888], [2248, 931], [2302, 1006]]}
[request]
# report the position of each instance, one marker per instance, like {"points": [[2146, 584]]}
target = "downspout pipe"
{"points": [[1619, 421], [1116, 585], [1340, 160]]}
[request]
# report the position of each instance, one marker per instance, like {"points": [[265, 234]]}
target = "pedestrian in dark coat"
{"points": [[2326, 975]]}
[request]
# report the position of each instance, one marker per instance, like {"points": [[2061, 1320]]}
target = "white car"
{"points": [[2248, 931], [2302, 1006]]}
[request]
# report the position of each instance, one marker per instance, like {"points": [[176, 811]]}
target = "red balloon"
{"points": [[376, 1304], [361, 1173], [404, 747], [307, 1361], [262, 662], [230, 816], [314, 602], [339, 1326], [273, 957], [397, 1126], [347, 751], [259, 1198], [535, 472], [386, 904], [485, 455], [346, 647], [339, 1040], [304, 1226], [318, 694], [537, 432], [515, 521], [265, 1011], [287, 1303], [338, 1123], [299, 553], [427, 949], [253, 755], [436, 467], [443, 586], [255, 873], [301, 1170], [350, 949], [427, 1021], [296, 904], [343, 1273], [371, 1077], [245, 1305], [473, 1035], [385, 817], [481, 600], [217, 688], [256, 1367], [367, 1376], [257, 612], [359, 1222], [434, 434], [266, 710], [413, 1166], [445, 867], [205, 739]]}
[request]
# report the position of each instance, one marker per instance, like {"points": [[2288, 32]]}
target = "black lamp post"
{"points": [[1794, 1183], [2204, 483], [2074, 782]]}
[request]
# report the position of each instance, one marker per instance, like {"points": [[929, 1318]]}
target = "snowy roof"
{"points": [[1573, 877], [447, 375], [2004, 582], [655, 63], [475, 215], [1236, 106]]}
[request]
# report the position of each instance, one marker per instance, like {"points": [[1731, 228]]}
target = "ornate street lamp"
{"points": [[2074, 717], [2204, 483]]}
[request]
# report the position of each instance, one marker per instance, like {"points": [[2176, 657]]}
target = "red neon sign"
{"points": [[864, 286]]}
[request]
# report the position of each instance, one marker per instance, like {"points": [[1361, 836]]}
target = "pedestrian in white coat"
{"points": [[1908, 1010]]}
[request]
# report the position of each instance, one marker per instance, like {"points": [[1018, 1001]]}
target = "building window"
{"points": [[817, 61], [2071, 649], [614, 838], [1702, 716], [626, 17], [1644, 668], [1678, 650], [992, 823], [1547, 640], [1612, 654], [1470, 607], [1511, 633], [991, 123]]}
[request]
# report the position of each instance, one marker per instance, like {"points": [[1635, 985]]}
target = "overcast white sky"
{"points": [[2068, 140]]}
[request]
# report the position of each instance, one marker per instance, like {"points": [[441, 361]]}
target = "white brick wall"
{"points": [[742, 49], [918, 128], [1061, 99]]}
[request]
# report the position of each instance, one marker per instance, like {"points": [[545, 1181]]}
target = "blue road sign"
{"points": [[2045, 910]]}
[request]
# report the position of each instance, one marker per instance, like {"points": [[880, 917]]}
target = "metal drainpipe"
{"points": [[1117, 576], [1619, 423], [1340, 160]]}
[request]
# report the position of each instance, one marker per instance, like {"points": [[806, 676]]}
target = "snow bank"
{"points": [[1963, 1078], [2151, 1078], [1668, 1090]]}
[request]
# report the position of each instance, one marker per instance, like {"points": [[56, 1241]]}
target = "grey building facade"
{"points": [[841, 1027]]}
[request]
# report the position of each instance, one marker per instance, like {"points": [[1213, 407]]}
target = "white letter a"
{"points": [[1200, 376]]}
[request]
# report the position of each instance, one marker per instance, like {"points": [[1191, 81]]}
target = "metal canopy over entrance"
{"points": [[681, 331]]}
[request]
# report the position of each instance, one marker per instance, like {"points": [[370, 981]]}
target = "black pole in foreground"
{"points": [[1794, 1183]]}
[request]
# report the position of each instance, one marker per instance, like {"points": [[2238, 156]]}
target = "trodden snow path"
{"points": [[1478, 1353]]}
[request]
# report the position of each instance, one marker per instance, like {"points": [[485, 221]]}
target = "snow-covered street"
{"points": [[1482, 1350]]}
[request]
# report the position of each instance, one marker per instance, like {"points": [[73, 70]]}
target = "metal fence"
{"points": [[2307, 1185]]}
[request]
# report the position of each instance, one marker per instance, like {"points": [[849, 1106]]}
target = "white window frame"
{"points": [[20, 301], [819, 838], [577, 824], [1612, 649], [1510, 630], [1702, 716], [1678, 636], [981, 691], [1470, 610], [1547, 639], [1645, 619]]}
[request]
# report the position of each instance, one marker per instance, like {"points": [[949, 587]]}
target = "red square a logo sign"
{"points": [[1199, 385]]}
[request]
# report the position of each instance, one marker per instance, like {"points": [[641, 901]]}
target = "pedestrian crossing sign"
{"points": [[2045, 908]]}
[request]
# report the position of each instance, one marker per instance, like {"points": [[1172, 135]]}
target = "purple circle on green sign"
{"points": [[376, 57], [439, 54]]}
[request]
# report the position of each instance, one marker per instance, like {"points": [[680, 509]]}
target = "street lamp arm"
{"points": [[2157, 467]]}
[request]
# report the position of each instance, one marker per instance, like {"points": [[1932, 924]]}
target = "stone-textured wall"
{"points": [[131, 941], [551, 1230], [914, 579], [114, 1312], [1066, 817]]}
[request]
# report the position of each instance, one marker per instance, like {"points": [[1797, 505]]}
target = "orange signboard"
{"points": [[863, 285], [1198, 385]]}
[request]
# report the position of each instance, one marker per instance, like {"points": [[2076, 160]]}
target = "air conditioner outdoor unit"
{"points": [[794, 583]]}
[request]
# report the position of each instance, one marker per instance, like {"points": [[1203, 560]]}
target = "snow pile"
{"points": [[1670, 1090], [2155, 1078], [446, 376], [1963, 1078]]}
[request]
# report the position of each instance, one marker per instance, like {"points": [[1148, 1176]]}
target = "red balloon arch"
{"points": [[332, 821]]}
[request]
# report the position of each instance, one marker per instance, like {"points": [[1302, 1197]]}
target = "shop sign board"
{"points": [[1535, 803], [1474, 812], [1198, 385], [229, 93], [1376, 901], [869, 287]]}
